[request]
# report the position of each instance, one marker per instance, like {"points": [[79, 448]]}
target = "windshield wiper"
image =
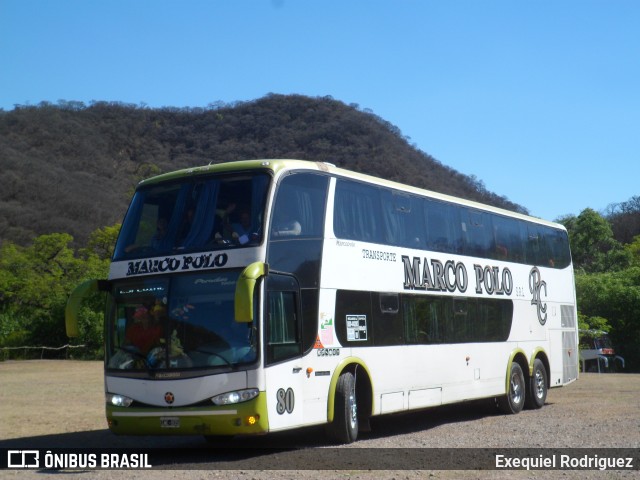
{"points": [[137, 354], [216, 354]]}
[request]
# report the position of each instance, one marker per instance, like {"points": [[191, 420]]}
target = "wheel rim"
{"points": [[539, 384], [353, 409], [516, 389]]}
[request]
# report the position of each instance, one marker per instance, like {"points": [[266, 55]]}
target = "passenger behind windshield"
{"points": [[145, 332], [285, 223]]}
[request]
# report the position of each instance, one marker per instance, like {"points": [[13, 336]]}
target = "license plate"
{"points": [[170, 422]]}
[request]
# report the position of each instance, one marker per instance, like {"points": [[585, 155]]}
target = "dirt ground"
{"points": [[41, 397], [45, 401]]}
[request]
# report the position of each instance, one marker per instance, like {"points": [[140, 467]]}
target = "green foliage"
{"points": [[593, 247], [91, 321], [633, 249], [593, 323], [101, 242], [35, 282], [12, 335], [608, 274], [616, 297]]}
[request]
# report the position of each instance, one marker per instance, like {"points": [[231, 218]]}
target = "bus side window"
{"points": [[387, 321], [410, 320], [357, 212], [480, 234], [299, 207], [558, 248], [443, 227], [423, 319], [536, 247], [283, 333], [403, 223], [507, 240]]}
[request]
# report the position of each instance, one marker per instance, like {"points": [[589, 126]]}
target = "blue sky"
{"points": [[538, 99]]}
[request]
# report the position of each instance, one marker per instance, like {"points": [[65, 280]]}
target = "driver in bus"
{"points": [[243, 231], [145, 332]]}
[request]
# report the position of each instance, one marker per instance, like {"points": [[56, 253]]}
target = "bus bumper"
{"points": [[239, 419]]}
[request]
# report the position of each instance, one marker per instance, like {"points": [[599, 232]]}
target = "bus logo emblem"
{"points": [[169, 398], [536, 284]]}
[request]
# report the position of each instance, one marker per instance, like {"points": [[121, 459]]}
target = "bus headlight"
{"points": [[118, 400], [238, 396]]}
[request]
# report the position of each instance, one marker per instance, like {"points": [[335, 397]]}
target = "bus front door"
{"points": [[283, 353]]}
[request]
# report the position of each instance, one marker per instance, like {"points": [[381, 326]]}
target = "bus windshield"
{"points": [[182, 322], [194, 214]]}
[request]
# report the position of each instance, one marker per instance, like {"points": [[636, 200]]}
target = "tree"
{"points": [[634, 250], [102, 242], [592, 244], [616, 297], [625, 219], [593, 323], [35, 282]]}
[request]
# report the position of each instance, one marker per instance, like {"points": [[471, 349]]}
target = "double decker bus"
{"points": [[258, 296]]}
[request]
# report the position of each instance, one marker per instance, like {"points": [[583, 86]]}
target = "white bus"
{"points": [[259, 296]]}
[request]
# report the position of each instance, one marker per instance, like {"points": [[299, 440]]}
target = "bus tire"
{"points": [[537, 387], [513, 401], [344, 428]]}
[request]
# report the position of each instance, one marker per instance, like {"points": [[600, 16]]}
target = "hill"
{"points": [[72, 168]]}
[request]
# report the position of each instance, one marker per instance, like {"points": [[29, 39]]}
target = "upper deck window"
{"points": [[194, 214], [377, 214]]}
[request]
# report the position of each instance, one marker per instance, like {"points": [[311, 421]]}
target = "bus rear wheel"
{"points": [[537, 388], [513, 401], [344, 428]]}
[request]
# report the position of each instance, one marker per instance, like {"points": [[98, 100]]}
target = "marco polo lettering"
{"points": [[172, 264], [450, 276], [434, 275], [492, 281]]}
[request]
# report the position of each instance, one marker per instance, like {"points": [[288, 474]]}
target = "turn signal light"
{"points": [[252, 419]]}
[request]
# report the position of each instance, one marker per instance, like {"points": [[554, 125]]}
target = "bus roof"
{"points": [[278, 165]]}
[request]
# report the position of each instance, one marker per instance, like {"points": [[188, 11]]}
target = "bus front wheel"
{"points": [[513, 401], [344, 428]]}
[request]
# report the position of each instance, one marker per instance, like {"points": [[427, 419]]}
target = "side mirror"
{"points": [[75, 301], [244, 291]]}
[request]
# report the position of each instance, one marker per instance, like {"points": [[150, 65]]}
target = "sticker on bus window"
{"points": [[357, 328]]}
